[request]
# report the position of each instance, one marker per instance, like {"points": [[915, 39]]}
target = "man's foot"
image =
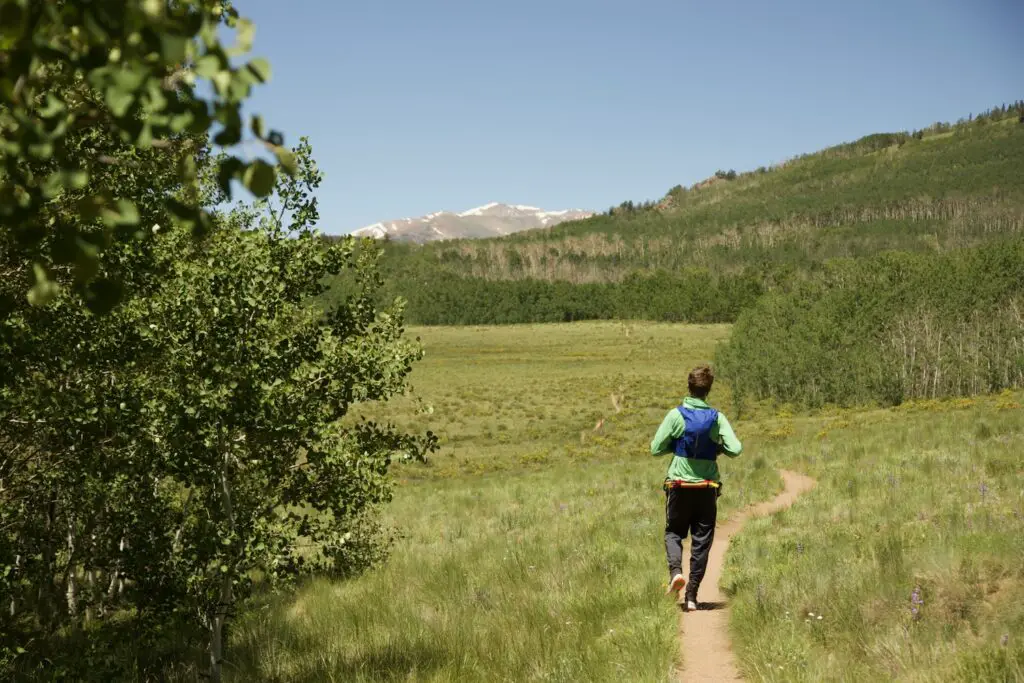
{"points": [[676, 584], [690, 605]]}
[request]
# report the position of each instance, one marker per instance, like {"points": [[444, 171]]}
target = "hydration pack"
{"points": [[696, 439]]}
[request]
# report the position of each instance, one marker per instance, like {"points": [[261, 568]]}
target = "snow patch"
{"points": [[478, 210], [376, 230]]}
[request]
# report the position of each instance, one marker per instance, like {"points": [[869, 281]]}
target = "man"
{"points": [[694, 433]]}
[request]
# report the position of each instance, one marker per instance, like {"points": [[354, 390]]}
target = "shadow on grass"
{"points": [[120, 648], [392, 662]]}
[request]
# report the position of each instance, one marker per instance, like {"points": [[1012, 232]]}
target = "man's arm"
{"points": [[671, 428], [731, 446]]}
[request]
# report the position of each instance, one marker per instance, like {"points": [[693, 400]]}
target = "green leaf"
{"points": [[74, 178], [145, 138], [125, 213], [173, 47], [260, 68], [187, 167], [44, 289], [230, 135], [257, 126], [287, 159], [259, 178], [54, 106], [207, 66], [229, 170], [245, 33], [119, 100]]}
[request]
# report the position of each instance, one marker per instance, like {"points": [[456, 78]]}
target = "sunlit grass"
{"points": [[928, 497], [532, 553], [531, 547]]}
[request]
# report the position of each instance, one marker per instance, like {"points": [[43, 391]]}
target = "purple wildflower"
{"points": [[1005, 639], [983, 489], [916, 601]]}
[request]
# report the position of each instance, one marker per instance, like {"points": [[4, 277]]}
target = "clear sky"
{"points": [[414, 106]]}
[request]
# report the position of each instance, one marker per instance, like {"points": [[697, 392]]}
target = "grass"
{"points": [[533, 557], [530, 549], [906, 563]]}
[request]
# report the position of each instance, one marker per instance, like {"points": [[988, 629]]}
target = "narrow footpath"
{"points": [[707, 654]]}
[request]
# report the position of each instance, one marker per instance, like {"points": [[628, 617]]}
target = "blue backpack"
{"points": [[696, 439]]}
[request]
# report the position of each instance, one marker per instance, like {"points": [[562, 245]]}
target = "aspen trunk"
{"points": [[226, 597]]}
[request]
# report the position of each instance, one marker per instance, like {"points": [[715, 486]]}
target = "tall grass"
{"points": [[531, 549], [905, 563]]}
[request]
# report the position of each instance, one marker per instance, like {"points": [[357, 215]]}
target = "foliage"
{"points": [[160, 459], [89, 85], [887, 329], [692, 295]]}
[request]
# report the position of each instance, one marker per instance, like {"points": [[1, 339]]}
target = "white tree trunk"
{"points": [[226, 597], [71, 589]]}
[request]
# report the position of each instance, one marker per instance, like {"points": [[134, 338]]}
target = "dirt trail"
{"points": [[704, 634]]}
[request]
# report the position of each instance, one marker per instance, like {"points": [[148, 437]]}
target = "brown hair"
{"points": [[700, 380]]}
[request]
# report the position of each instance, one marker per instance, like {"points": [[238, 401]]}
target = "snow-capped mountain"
{"points": [[489, 220]]}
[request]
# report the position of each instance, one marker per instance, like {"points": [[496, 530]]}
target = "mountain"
{"points": [[489, 220]]}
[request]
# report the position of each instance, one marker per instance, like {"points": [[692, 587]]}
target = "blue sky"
{"points": [[414, 106]]}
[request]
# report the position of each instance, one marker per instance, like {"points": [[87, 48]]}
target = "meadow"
{"points": [[530, 549]]}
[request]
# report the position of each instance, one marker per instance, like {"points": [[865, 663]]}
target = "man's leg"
{"points": [[702, 535], [677, 520]]}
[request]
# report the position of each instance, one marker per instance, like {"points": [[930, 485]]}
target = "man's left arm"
{"points": [[731, 446]]}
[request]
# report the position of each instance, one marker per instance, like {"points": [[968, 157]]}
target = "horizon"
{"points": [[417, 108]]}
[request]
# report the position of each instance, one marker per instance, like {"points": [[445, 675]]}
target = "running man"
{"points": [[694, 433]]}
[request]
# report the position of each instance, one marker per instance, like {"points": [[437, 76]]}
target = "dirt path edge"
{"points": [[705, 650]]}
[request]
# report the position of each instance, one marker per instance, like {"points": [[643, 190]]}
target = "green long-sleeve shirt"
{"points": [[691, 469]]}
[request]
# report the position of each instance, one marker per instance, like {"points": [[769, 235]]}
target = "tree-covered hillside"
{"points": [[706, 252]]}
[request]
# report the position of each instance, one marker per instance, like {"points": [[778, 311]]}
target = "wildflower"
{"points": [[820, 617], [915, 603], [800, 548], [1005, 639], [983, 489]]}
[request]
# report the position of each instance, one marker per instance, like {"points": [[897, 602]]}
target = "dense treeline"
{"points": [[694, 296], [886, 329]]}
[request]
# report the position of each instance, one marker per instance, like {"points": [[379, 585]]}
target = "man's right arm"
{"points": [[671, 428]]}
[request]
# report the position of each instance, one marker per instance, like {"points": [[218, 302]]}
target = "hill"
{"points": [[704, 253]]}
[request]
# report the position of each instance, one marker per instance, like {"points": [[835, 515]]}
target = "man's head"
{"points": [[700, 380]]}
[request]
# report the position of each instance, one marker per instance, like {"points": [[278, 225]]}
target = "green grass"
{"points": [[534, 557], [927, 496], [531, 549]]}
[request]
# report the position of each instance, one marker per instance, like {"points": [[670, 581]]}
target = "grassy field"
{"points": [[530, 548], [905, 563]]}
